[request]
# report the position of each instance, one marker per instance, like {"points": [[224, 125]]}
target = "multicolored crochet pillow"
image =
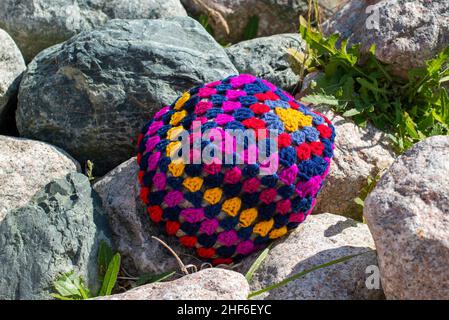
{"points": [[214, 196]]}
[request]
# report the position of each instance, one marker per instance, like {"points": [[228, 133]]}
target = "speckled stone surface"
{"points": [[11, 68], [408, 215], [267, 58], [208, 284], [405, 32], [230, 18], [359, 153], [58, 231], [320, 239], [25, 167]]}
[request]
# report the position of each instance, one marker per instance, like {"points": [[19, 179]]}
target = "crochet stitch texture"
{"points": [[225, 211]]}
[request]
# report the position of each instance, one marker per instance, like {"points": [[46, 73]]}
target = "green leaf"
{"points": [[318, 99], [410, 126], [251, 28], [351, 113], [371, 86], [152, 278], [444, 79], [301, 274], [360, 202], [105, 255], [110, 277], [257, 263]]}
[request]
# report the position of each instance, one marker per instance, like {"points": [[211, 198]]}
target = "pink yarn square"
{"points": [[230, 106], [228, 238], [173, 198], [209, 226], [193, 215], [245, 247], [159, 181]]}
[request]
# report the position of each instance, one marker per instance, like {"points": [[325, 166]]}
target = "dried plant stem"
{"points": [[180, 263]]}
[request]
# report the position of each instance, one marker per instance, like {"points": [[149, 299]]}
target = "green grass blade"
{"points": [[110, 278], [301, 274], [256, 264], [151, 278]]}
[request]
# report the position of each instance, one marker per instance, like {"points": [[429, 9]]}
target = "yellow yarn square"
{"points": [[174, 132], [247, 217], [177, 117], [176, 168], [181, 101], [213, 195], [232, 206], [193, 184], [172, 148], [262, 228], [276, 233], [293, 119]]}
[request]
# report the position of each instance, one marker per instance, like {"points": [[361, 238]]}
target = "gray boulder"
{"points": [[408, 215], [11, 69], [92, 94], [229, 18], [208, 284], [320, 239], [25, 167], [405, 32], [39, 24], [359, 153], [267, 58], [56, 232], [132, 228]]}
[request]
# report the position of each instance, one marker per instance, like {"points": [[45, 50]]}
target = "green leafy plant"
{"points": [[70, 286], [303, 273], [357, 85]]}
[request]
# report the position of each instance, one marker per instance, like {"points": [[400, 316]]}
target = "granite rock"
{"points": [[58, 231], [12, 66], [38, 24], [25, 167], [208, 284], [408, 215], [92, 94]]}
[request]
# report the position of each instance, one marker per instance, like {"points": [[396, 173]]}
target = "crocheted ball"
{"points": [[232, 205]]}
